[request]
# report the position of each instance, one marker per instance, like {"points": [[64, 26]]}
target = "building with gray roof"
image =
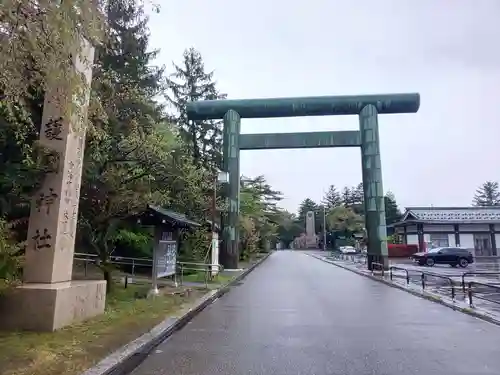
{"points": [[474, 228]]}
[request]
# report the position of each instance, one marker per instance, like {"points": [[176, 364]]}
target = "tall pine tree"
{"points": [[392, 212], [127, 157], [346, 197], [190, 82], [358, 199], [332, 198], [487, 194], [123, 73], [353, 198]]}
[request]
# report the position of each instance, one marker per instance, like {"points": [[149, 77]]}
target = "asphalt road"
{"points": [[298, 315]]}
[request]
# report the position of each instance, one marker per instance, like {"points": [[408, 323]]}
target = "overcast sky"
{"points": [[447, 50]]}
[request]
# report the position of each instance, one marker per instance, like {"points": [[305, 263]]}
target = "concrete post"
{"points": [[49, 299], [372, 186], [231, 164]]}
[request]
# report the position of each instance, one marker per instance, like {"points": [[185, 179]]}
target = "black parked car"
{"points": [[454, 256]]}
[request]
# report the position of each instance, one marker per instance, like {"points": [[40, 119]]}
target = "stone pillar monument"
{"points": [[311, 240], [48, 298], [373, 189]]}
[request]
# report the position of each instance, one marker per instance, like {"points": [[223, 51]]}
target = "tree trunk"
{"points": [[109, 280]]}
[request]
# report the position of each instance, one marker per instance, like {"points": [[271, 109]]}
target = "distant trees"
{"points": [[344, 210], [392, 212], [260, 217], [305, 206], [488, 194], [332, 198], [289, 228], [353, 198], [344, 219], [309, 205]]}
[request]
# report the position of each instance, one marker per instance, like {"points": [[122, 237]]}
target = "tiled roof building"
{"points": [[475, 228]]}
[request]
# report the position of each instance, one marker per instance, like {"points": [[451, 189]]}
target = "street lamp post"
{"points": [[324, 228]]}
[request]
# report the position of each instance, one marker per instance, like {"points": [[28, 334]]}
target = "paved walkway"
{"points": [[298, 315]]}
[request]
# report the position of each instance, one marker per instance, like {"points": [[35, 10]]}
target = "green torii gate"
{"points": [[367, 138]]}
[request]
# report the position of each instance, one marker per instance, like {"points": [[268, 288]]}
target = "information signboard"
{"points": [[166, 258]]}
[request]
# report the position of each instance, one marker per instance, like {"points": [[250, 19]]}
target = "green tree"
{"points": [[133, 157], [487, 194], [344, 219], [332, 198], [305, 206], [191, 82], [353, 197], [37, 39], [10, 258], [288, 228], [358, 199], [259, 215], [346, 197], [392, 212]]}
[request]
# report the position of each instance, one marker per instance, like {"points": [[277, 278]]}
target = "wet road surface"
{"points": [[298, 315]]}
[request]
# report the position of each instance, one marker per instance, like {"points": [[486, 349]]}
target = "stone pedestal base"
{"points": [[311, 242], [48, 307]]}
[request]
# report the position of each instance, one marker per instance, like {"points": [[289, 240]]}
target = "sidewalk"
{"points": [[436, 288]]}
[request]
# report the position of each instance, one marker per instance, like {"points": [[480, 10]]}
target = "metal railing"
{"points": [[356, 258], [124, 261], [473, 290], [391, 268], [481, 295], [207, 269], [424, 275], [380, 267], [472, 273]]}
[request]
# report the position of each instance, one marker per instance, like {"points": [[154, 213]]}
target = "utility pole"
{"points": [[324, 228]]}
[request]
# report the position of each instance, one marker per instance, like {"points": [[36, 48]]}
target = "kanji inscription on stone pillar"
{"points": [[54, 210]]}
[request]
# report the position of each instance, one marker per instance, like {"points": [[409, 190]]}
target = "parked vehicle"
{"points": [[348, 250], [454, 256]]}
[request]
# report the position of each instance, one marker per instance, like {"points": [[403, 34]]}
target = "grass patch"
{"points": [[199, 277], [74, 349]]}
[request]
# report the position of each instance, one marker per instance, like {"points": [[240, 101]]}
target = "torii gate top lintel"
{"points": [[303, 106]]}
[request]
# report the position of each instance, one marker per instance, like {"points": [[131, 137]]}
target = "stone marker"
{"points": [[311, 240], [48, 298]]}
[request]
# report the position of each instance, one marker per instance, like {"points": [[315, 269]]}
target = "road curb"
{"points": [[128, 357], [425, 295]]}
